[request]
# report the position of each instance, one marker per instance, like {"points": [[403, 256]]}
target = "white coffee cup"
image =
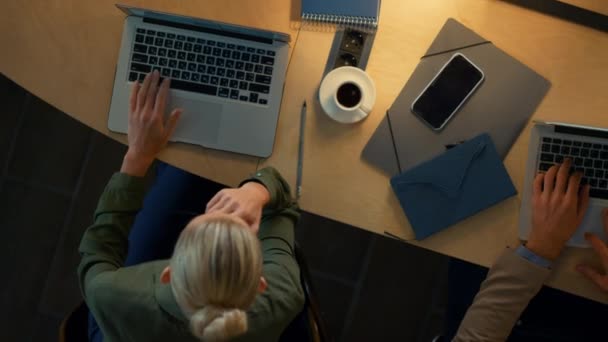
{"points": [[350, 97], [347, 94]]}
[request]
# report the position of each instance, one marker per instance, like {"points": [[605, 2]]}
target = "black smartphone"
{"points": [[447, 91]]}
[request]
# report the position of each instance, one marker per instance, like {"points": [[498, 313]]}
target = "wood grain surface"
{"points": [[599, 6], [338, 184], [65, 52]]}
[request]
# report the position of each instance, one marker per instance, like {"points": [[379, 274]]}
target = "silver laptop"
{"points": [[550, 143], [227, 78]]}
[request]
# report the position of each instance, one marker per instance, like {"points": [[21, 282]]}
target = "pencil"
{"points": [[301, 152]]}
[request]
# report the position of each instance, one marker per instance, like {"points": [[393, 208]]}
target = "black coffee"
{"points": [[349, 95]]}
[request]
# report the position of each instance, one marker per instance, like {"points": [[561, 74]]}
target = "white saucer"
{"points": [[329, 86]]}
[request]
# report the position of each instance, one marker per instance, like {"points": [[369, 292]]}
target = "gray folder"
{"points": [[501, 106]]}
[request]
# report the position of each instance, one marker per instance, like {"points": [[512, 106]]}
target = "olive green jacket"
{"points": [[130, 303]]}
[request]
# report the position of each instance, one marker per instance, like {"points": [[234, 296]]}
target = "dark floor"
{"points": [[54, 169]]}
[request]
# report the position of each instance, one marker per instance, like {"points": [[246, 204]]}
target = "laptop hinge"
{"points": [[218, 32], [578, 130]]}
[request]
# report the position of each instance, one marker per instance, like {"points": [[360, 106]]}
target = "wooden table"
{"points": [[65, 52], [599, 6]]}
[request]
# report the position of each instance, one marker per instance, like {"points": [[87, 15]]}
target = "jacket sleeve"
{"points": [[284, 297], [104, 245], [280, 192], [511, 283]]}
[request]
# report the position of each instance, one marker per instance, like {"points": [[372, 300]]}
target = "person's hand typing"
{"points": [[245, 202], [600, 279], [148, 133], [559, 205]]}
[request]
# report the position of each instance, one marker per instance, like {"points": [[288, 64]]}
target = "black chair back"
{"points": [[74, 326]]}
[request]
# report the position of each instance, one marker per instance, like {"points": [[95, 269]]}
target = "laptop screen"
{"points": [[204, 25]]}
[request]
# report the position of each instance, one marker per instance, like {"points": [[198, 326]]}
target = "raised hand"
{"points": [[148, 132]]}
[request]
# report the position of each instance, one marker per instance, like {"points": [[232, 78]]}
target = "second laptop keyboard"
{"points": [[591, 159], [211, 67]]}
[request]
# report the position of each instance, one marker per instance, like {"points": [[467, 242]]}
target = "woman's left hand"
{"points": [[148, 133]]}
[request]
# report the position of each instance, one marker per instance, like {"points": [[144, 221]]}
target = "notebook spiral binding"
{"points": [[329, 20]]}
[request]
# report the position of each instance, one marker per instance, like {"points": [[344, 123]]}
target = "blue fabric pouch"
{"points": [[453, 186]]}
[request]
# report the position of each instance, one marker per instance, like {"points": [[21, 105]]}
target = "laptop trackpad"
{"points": [[199, 123]]}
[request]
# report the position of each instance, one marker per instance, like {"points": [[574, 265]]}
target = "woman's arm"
{"points": [[104, 244], [264, 202], [280, 201], [264, 195], [284, 297]]}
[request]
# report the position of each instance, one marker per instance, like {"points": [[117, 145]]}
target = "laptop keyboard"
{"points": [[591, 159], [210, 67]]}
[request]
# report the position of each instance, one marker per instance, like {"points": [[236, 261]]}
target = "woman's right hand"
{"points": [[245, 202], [601, 249]]}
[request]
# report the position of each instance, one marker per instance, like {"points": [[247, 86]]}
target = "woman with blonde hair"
{"points": [[157, 269]]}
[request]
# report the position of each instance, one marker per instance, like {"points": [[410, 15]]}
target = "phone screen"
{"points": [[446, 93]]}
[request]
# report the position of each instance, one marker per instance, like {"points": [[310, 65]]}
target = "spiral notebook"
{"points": [[348, 13]]}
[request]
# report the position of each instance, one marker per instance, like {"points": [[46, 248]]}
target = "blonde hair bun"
{"points": [[215, 275], [218, 324]]}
